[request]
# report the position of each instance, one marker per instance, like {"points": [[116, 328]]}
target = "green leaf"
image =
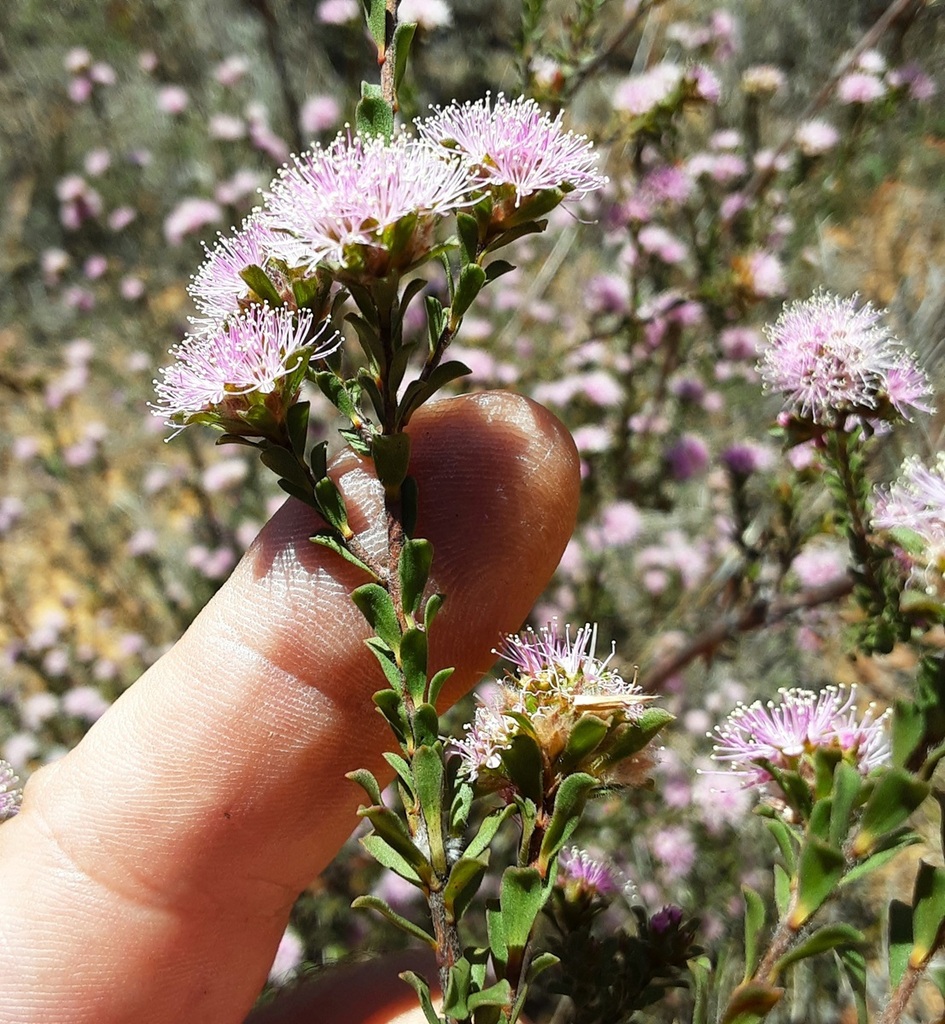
{"points": [[899, 940], [831, 936], [819, 824], [497, 269], [374, 116], [897, 794], [433, 605], [368, 783], [928, 911], [391, 453], [498, 994], [487, 830], [423, 994], [419, 391], [891, 845], [387, 856], [391, 829], [522, 762], [403, 37], [285, 463], [585, 738], [390, 705], [786, 840], [458, 984], [426, 725], [782, 890], [471, 280], [907, 731], [539, 965], [853, 963], [402, 769], [754, 923], [387, 660], [569, 806], [302, 494], [375, 13], [465, 878], [634, 736], [258, 281], [819, 870], [331, 504], [467, 227], [377, 607], [427, 768], [318, 459], [847, 783], [495, 930], [326, 540], [436, 314], [338, 392], [416, 558], [437, 683], [413, 930], [522, 894], [297, 424], [751, 1003], [413, 660]]}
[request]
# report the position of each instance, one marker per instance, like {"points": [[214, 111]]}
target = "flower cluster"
{"points": [[356, 211], [10, 792], [558, 680], [513, 144], [784, 736], [582, 874], [915, 505], [836, 361]]}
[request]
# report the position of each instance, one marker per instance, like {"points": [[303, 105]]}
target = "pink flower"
{"points": [[860, 87], [343, 203], [189, 216], [816, 137], [819, 564], [785, 733], [229, 370], [172, 99], [832, 359], [428, 14], [513, 143], [916, 502], [638, 95], [338, 12], [226, 127], [320, 113], [231, 71], [579, 871]]}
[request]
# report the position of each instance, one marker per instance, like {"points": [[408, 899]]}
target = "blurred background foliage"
{"points": [[129, 132]]}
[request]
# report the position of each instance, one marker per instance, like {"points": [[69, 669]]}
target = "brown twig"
{"points": [[383, 57], [755, 616]]}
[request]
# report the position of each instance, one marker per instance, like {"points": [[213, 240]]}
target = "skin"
{"points": [[150, 873]]}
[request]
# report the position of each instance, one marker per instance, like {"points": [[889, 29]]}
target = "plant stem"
{"points": [[387, 65], [899, 1000]]}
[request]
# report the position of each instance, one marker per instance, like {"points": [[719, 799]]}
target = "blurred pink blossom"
{"points": [[189, 216], [172, 99]]}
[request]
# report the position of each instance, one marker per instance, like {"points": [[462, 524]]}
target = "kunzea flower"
{"points": [[835, 360], [10, 793], [523, 157], [244, 375], [582, 874], [365, 205], [912, 509], [557, 682], [785, 735], [218, 288]]}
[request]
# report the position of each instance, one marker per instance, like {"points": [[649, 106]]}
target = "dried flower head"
{"points": [[833, 360], [513, 143], [785, 734], [364, 204], [254, 361], [10, 792]]}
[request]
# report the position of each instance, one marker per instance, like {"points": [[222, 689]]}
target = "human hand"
{"points": [[150, 873]]}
